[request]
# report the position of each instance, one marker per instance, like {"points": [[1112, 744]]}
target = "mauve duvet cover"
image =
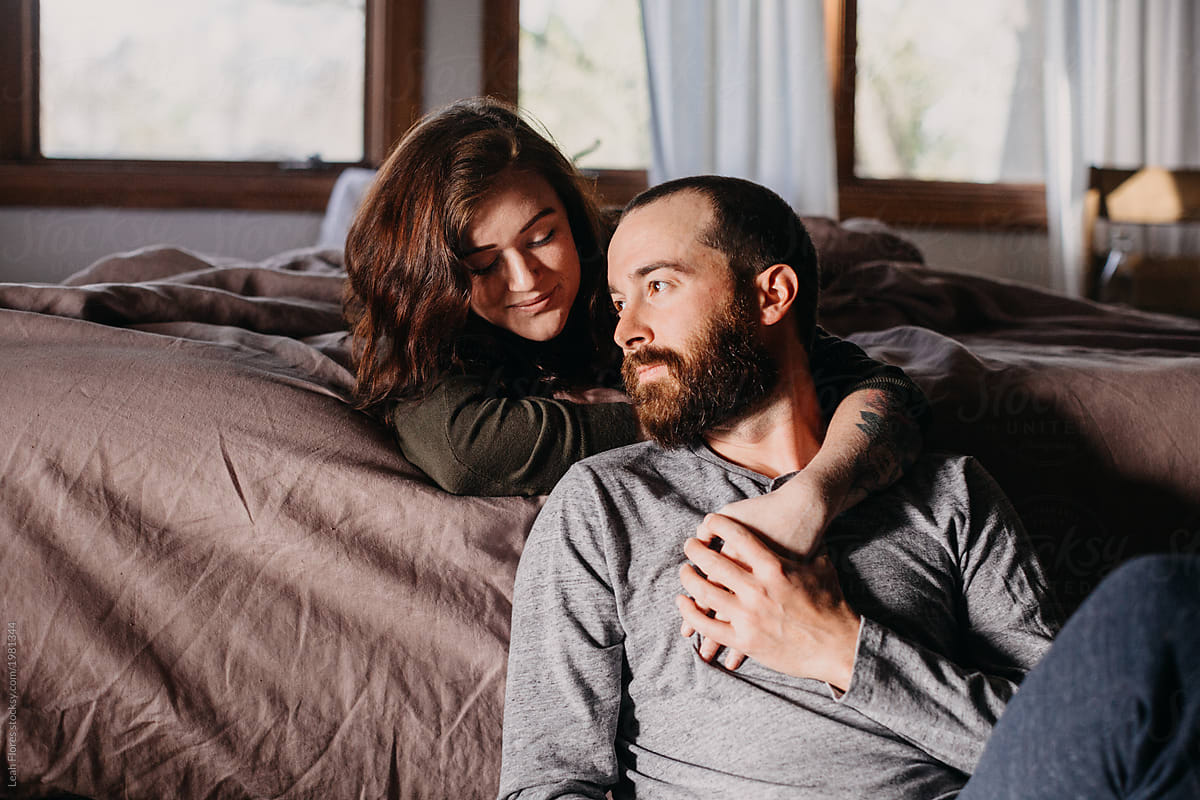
{"points": [[224, 581]]}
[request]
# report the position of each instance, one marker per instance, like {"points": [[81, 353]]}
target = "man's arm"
{"points": [[787, 614], [1007, 621], [564, 666], [945, 708]]}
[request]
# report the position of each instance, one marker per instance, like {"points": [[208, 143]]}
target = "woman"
{"points": [[482, 323]]}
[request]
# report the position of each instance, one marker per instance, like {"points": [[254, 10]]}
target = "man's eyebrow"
{"points": [[532, 221], [646, 269]]}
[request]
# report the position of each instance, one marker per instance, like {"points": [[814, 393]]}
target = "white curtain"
{"points": [[1122, 89], [740, 87]]}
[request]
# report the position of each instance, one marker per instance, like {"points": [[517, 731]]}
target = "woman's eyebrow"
{"points": [[536, 217], [532, 221]]}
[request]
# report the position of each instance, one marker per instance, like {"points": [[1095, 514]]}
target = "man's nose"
{"points": [[632, 331]]}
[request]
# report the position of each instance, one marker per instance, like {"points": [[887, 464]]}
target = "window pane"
{"points": [[583, 75], [949, 90], [254, 80]]}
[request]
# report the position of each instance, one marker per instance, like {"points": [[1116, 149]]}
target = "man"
{"points": [[894, 654]]}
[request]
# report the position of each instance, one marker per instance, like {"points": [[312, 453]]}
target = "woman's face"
{"points": [[522, 258]]}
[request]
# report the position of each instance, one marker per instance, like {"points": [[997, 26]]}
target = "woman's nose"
{"points": [[522, 273]]}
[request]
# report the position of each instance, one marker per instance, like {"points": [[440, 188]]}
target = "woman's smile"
{"points": [[538, 303]]}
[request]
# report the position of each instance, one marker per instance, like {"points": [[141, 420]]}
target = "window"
{"points": [[938, 111], [937, 104], [229, 103], [224, 80], [580, 76], [572, 67]]}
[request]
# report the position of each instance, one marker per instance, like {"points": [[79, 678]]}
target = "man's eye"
{"points": [[657, 286]]}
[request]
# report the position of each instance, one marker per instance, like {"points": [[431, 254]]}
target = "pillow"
{"points": [[856, 241], [343, 204]]}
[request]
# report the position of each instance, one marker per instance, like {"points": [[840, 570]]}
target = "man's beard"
{"points": [[725, 376]]}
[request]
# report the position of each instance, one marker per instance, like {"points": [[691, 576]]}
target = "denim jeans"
{"points": [[1113, 709]]}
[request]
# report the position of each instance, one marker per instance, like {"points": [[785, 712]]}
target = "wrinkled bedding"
{"points": [[225, 582], [1086, 414]]}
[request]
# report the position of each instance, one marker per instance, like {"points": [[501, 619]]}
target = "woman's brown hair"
{"points": [[408, 295]]}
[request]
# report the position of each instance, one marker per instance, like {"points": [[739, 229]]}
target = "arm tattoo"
{"points": [[893, 443]]}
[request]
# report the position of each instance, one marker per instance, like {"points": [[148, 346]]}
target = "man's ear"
{"points": [[777, 289]]}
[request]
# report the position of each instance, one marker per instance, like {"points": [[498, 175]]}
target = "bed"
{"points": [[221, 581]]}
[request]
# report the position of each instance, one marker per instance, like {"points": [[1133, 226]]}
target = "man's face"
{"points": [[693, 359]]}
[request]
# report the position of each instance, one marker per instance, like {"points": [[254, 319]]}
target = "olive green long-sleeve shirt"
{"points": [[471, 437]]}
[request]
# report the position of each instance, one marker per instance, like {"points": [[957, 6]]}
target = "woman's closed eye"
{"points": [[484, 269], [544, 239]]}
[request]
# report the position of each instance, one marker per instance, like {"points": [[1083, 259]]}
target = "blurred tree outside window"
{"points": [[949, 91], [582, 75], [227, 80]]}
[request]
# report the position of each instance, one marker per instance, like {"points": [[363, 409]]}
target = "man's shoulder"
{"points": [[619, 463], [938, 487], [955, 474], [940, 493], [629, 453], [600, 489], [633, 475], [938, 471]]}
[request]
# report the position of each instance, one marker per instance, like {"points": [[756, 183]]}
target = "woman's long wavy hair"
{"points": [[408, 295]]}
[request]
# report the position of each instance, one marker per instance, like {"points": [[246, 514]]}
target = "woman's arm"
{"points": [[471, 439], [870, 442], [876, 415]]}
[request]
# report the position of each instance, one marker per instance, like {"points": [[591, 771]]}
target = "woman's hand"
{"points": [[792, 520], [787, 614]]}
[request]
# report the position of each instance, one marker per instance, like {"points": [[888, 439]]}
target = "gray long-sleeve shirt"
{"points": [[603, 693]]}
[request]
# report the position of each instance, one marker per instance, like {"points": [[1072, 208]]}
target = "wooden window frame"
{"points": [[912, 202], [902, 202], [392, 101], [501, 71]]}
